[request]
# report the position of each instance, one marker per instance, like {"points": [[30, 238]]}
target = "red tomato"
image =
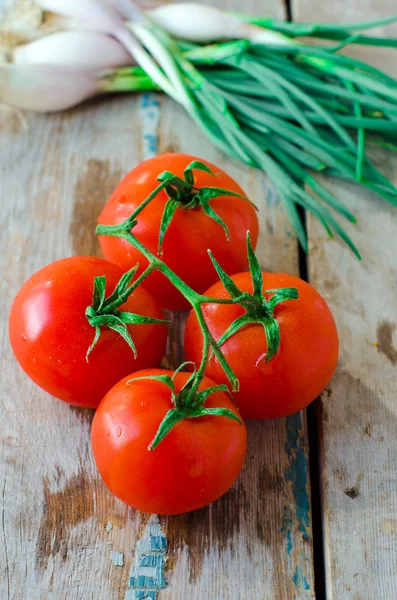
{"points": [[190, 234], [303, 365], [197, 461], [50, 334]]}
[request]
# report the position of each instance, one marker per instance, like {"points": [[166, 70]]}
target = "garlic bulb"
{"points": [[82, 48], [46, 88]]}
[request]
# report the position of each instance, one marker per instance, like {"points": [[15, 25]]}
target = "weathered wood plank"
{"points": [[59, 523], [55, 177], [357, 414]]}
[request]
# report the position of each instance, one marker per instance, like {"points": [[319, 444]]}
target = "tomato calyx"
{"points": [[259, 309], [183, 193], [188, 403], [104, 312]]}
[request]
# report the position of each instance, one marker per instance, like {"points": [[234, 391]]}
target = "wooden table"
{"points": [[288, 529]]}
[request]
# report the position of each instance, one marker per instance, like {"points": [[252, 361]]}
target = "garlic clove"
{"points": [[86, 49], [47, 88]]}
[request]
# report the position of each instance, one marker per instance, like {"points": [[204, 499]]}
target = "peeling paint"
{"points": [[287, 529], [289, 541], [270, 228], [117, 558], [300, 580], [272, 198], [296, 472], [149, 110], [147, 572], [296, 513]]}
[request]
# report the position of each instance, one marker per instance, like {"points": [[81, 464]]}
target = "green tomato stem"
{"points": [[195, 299], [143, 276], [168, 181]]}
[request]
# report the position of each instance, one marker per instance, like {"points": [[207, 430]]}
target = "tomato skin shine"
{"points": [[50, 334], [303, 365], [196, 462], [190, 234]]}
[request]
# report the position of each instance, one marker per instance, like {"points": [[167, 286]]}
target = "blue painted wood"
{"points": [[147, 572]]}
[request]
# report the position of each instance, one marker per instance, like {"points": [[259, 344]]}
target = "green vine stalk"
{"points": [[189, 402], [288, 108]]}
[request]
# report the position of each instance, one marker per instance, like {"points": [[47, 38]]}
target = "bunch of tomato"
{"points": [[91, 332]]}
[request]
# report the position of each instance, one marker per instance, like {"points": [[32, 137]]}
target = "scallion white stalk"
{"points": [[203, 24], [107, 18], [48, 88], [85, 49]]}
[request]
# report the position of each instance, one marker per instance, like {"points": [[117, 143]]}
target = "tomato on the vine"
{"points": [[304, 361], [197, 216], [195, 463], [50, 333]]}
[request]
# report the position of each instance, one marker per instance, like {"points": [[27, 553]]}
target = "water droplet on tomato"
{"points": [[23, 336], [108, 433], [119, 431]]}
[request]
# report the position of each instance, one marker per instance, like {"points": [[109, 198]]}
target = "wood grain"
{"points": [[56, 540], [357, 414]]}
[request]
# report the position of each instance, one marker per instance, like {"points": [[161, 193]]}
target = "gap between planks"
{"points": [[312, 425]]}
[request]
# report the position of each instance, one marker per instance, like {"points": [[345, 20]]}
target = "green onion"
{"points": [[288, 108]]}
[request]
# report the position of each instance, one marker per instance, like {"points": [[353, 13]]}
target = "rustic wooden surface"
{"points": [[357, 415], [61, 528], [62, 533]]}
